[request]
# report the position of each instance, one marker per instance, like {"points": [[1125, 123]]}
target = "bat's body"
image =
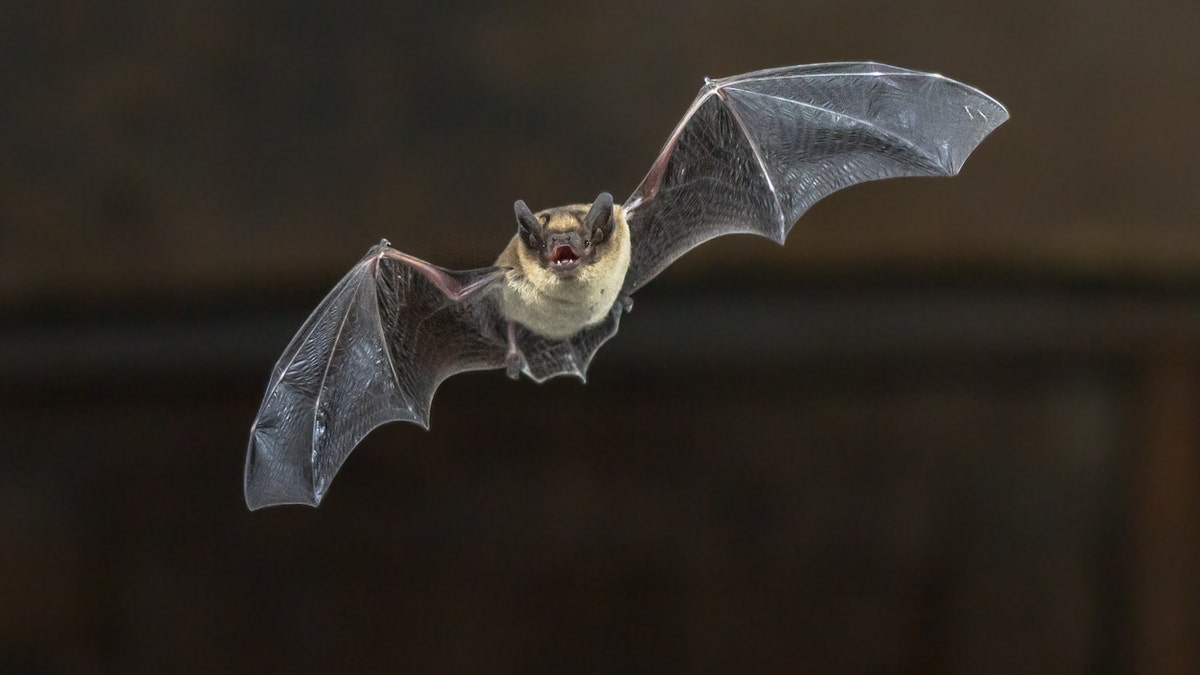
{"points": [[557, 306], [751, 155]]}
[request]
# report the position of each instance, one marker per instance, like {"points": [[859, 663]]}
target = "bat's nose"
{"points": [[563, 239], [564, 250]]}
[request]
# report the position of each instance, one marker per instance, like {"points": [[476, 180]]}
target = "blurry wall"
{"points": [[950, 427]]}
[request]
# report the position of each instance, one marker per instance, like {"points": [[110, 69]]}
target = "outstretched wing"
{"points": [[755, 151], [375, 351]]}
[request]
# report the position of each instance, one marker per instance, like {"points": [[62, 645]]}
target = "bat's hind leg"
{"points": [[514, 361]]}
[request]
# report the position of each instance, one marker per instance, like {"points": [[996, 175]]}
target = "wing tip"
{"points": [[258, 504], [991, 121], [260, 493], [263, 488]]}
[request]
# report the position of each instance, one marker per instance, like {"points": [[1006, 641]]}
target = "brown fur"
{"points": [[558, 307]]}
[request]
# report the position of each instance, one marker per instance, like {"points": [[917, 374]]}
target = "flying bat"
{"points": [[751, 154]]}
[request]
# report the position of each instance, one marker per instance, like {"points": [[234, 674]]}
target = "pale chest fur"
{"points": [[558, 308]]}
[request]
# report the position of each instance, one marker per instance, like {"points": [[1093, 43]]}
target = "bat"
{"points": [[751, 154]]}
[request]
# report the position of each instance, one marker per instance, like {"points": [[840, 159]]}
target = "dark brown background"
{"points": [[950, 428]]}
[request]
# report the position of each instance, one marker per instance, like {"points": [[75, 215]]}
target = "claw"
{"points": [[513, 363], [626, 302]]}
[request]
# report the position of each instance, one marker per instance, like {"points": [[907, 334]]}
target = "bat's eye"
{"points": [[587, 244]]}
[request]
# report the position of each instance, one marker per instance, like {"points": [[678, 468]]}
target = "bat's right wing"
{"points": [[755, 151], [375, 351]]}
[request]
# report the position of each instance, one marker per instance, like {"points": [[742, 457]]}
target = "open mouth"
{"points": [[563, 256]]}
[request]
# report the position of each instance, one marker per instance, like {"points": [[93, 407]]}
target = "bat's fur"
{"points": [[559, 307], [748, 156]]}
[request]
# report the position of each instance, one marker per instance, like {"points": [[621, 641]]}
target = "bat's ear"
{"points": [[528, 226], [600, 218]]}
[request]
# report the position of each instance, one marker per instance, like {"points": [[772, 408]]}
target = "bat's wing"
{"points": [[545, 358], [755, 151], [375, 351]]}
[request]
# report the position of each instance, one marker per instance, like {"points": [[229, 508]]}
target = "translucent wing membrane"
{"points": [[755, 151], [751, 155], [375, 351], [547, 358]]}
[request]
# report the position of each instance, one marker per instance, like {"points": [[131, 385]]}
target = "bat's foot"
{"points": [[515, 360], [513, 364], [626, 302]]}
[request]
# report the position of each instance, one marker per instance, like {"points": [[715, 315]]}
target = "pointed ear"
{"points": [[528, 226], [600, 218]]}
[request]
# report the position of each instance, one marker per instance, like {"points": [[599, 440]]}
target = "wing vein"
{"points": [[337, 338], [283, 368], [879, 71], [736, 79], [382, 335], [866, 123], [649, 186], [758, 157]]}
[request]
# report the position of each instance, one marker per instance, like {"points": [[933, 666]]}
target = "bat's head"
{"points": [[566, 239]]}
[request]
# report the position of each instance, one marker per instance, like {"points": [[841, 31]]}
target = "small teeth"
{"points": [[568, 256]]}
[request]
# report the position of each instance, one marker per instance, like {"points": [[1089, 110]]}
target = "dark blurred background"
{"points": [[951, 427]]}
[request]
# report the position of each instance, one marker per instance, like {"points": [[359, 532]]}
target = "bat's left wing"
{"points": [[755, 151]]}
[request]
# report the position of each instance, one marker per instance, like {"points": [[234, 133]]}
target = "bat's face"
{"points": [[566, 239]]}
